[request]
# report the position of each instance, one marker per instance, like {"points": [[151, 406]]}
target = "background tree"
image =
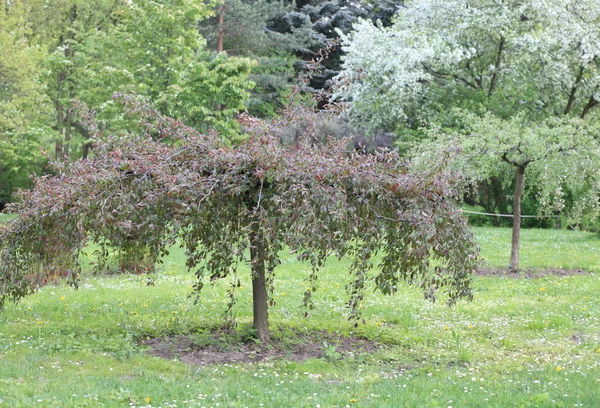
{"points": [[61, 53], [62, 27], [246, 28], [220, 201], [508, 57], [560, 155], [283, 36], [172, 70], [526, 63], [23, 105]]}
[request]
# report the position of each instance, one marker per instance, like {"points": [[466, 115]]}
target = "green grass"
{"points": [[520, 343], [542, 248]]}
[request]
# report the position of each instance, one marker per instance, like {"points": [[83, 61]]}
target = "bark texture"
{"points": [[516, 230], [259, 287]]}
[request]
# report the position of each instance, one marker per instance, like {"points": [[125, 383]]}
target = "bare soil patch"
{"points": [[529, 273], [315, 345]]}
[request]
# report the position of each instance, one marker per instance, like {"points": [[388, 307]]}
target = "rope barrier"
{"points": [[510, 215]]}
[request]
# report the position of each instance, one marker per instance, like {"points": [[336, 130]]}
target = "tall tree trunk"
{"points": [[259, 288], [60, 114], [63, 116], [516, 230], [497, 64], [588, 107], [571, 99], [220, 13]]}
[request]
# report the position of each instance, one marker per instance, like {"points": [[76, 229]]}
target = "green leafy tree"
{"points": [[219, 201], [23, 105], [561, 155], [96, 49], [63, 27]]}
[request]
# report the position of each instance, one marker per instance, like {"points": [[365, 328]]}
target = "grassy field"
{"points": [[520, 343]]}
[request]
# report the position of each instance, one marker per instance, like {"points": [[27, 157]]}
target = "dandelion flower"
{"points": [[558, 368]]}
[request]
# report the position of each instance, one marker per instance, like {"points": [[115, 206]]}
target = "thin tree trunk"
{"points": [[574, 91], [497, 64], [220, 12], [588, 107], [60, 115], [67, 135], [259, 288], [516, 230], [63, 120]]}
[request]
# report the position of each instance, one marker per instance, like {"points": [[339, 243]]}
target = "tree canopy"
{"points": [[318, 199], [537, 58]]}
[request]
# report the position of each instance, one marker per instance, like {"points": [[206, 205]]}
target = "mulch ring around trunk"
{"points": [[529, 273], [315, 345]]}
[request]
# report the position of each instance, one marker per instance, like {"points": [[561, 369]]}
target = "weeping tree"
{"points": [[229, 205]]}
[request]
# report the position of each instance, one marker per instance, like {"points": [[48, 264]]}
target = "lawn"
{"points": [[519, 343]]}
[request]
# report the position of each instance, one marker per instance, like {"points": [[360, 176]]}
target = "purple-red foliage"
{"points": [[317, 199]]}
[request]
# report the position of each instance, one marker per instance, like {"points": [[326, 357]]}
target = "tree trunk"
{"points": [[516, 230], [494, 79], [63, 125], [259, 288], [220, 12]]}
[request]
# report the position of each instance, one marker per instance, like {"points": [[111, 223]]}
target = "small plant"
{"points": [[331, 353]]}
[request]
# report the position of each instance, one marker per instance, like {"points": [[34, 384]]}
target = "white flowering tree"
{"points": [[514, 83], [512, 56]]}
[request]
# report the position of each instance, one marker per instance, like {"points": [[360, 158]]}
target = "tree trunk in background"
{"points": [[220, 12], [516, 230], [63, 116], [259, 289]]}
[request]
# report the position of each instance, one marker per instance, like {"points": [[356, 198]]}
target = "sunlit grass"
{"points": [[521, 342], [542, 248]]}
